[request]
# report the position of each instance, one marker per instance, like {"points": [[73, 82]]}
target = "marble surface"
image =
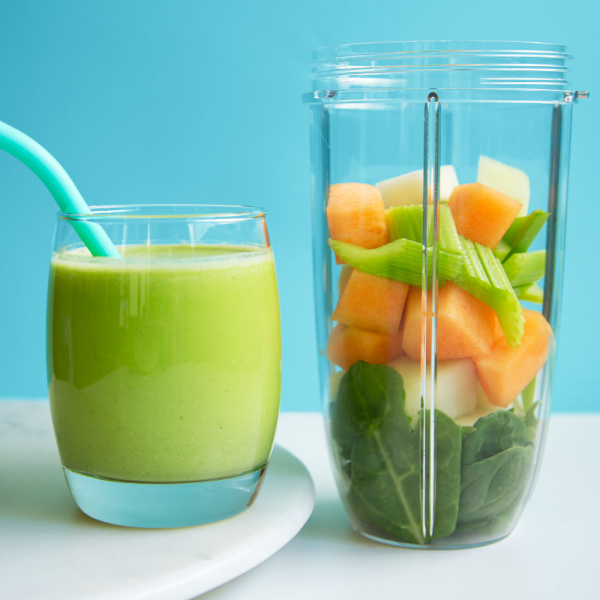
{"points": [[553, 554], [49, 549]]}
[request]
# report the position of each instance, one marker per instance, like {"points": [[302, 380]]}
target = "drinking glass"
{"points": [[438, 303], [164, 365]]}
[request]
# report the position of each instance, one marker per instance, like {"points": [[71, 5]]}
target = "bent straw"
{"points": [[60, 185]]}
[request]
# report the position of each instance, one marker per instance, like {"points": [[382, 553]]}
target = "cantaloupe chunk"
{"points": [[356, 215], [498, 332], [408, 188], [347, 345], [508, 180], [482, 214], [465, 324], [344, 278], [505, 372], [456, 385], [372, 303]]}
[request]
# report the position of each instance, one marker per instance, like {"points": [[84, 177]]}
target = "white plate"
{"points": [[49, 549]]}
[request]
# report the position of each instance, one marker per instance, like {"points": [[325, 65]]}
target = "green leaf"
{"points": [[493, 434], [448, 448], [490, 487], [373, 432]]}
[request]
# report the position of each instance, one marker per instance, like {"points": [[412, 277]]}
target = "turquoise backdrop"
{"points": [[199, 101]]}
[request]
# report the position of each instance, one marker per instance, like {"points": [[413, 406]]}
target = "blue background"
{"points": [[199, 101]]}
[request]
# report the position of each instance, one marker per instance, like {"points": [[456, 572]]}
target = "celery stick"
{"points": [[484, 278], [400, 260], [449, 238], [515, 228], [527, 395], [524, 230], [406, 222], [526, 267], [501, 250], [530, 293]]}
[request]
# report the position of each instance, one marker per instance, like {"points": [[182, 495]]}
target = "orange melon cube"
{"points": [[345, 274], [505, 372], [482, 214], [347, 345], [372, 303], [466, 325], [356, 215]]}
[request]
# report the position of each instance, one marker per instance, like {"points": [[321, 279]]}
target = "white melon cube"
{"points": [[507, 180], [334, 384], [483, 409], [456, 386], [408, 188]]}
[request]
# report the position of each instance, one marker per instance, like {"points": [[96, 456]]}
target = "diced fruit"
{"points": [[505, 372], [510, 181], [356, 215], [498, 333], [343, 280], [346, 345], [472, 418], [482, 214], [372, 303], [465, 324], [400, 260], [408, 188], [456, 385], [334, 384]]}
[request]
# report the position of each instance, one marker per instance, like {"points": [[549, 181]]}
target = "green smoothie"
{"points": [[164, 366]]}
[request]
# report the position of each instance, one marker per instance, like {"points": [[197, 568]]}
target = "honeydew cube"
{"points": [[456, 386], [408, 188], [483, 409], [510, 181], [334, 384]]}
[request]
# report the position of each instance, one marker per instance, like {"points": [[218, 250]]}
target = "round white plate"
{"points": [[49, 549]]}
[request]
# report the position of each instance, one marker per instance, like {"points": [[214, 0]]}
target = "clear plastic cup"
{"points": [[439, 175]]}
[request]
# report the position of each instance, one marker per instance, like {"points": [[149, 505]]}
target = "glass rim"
{"points": [[408, 47], [196, 212]]}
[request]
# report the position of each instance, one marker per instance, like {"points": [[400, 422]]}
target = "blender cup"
{"points": [[439, 174]]}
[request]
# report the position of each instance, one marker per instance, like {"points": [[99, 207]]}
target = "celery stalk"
{"points": [[400, 260], [525, 268], [449, 238], [502, 250], [524, 230], [527, 395], [484, 278], [530, 293], [406, 222]]}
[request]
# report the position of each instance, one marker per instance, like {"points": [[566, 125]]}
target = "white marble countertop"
{"points": [[552, 555]]}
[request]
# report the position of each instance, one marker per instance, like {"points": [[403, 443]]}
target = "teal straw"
{"points": [[60, 185]]}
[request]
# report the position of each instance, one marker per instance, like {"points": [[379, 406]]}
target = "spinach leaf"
{"points": [[448, 448], [373, 431], [362, 402], [493, 434], [490, 487]]}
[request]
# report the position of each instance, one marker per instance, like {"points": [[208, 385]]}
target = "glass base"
{"points": [[159, 505], [441, 544]]}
